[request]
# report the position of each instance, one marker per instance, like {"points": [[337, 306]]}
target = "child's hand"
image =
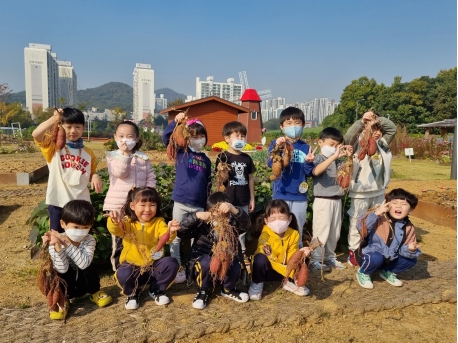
{"points": [[46, 238], [251, 206], [124, 148], [114, 215], [57, 114], [311, 155], [204, 216], [349, 150], [174, 225], [96, 183], [280, 140], [306, 251], [383, 208], [226, 207], [413, 246], [368, 117], [179, 117]]}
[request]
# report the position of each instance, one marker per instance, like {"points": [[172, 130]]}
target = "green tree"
{"points": [[176, 102], [119, 115], [272, 124], [444, 94]]}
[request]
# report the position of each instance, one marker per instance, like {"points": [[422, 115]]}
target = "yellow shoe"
{"points": [[61, 314], [101, 298]]}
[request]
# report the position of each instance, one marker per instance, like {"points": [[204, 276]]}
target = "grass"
{"points": [[418, 170]]}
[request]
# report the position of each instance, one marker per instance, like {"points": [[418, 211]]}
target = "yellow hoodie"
{"points": [[278, 250], [138, 239]]}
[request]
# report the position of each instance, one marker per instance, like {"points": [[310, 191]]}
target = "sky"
{"points": [[300, 50]]}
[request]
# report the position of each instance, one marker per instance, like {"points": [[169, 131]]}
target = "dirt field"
{"points": [[338, 310]]}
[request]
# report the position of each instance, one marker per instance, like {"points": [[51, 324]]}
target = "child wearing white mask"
{"points": [[279, 240], [72, 253], [192, 179], [128, 168], [327, 204]]}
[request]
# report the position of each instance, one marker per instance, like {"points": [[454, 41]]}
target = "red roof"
{"points": [[250, 94]]}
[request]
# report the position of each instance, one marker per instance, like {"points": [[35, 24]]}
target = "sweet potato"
{"points": [[162, 241], [276, 169], [371, 146], [179, 136], [54, 131], [61, 138], [287, 154], [344, 180], [215, 264], [362, 153], [302, 274], [293, 262], [171, 152]]}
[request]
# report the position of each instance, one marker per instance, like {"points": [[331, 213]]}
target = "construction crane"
{"points": [[244, 82]]}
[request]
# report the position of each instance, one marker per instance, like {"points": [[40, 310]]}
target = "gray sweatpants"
{"points": [[299, 208]]}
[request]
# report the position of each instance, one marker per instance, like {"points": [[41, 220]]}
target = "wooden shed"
{"points": [[214, 112], [444, 125]]}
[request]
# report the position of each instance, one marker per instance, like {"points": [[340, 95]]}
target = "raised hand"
{"points": [[205, 216], [96, 183], [114, 215], [280, 140], [226, 207], [174, 225], [310, 157], [179, 117], [368, 117], [348, 150], [306, 250], [383, 208]]}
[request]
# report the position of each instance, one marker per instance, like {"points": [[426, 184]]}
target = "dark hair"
{"points": [[137, 132], [216, 198], [72, 115], [292, 113], [197, 129], [274, 206], [79, 212], [402, 194], [331, 133], [141, 194], [234, 126]]}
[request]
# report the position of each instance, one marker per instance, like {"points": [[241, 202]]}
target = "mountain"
{"points": [[109, 95]]}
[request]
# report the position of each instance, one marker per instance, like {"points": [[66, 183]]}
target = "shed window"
{"points": [[254, 115]]}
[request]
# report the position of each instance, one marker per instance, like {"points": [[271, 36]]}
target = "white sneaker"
{"points": [[317, 266], [236, 295], [181, 276], [291, 287], [364, 280], [390, 278], [255, 290], [132, 302], [160, 298]]}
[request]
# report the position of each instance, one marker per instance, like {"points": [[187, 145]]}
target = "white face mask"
{"points": [[278, 226], [196, 144], [129, 142], [76, 235], [328, 151], [238, 144]]}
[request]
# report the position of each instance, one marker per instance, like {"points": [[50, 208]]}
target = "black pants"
{"points": [[262, 270], [81, 281]]}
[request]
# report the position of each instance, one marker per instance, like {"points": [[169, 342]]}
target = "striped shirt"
{"points": [[81, 256]]}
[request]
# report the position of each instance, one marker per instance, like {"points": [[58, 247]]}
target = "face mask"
{"points": [[129, 142], [196, 144], [238, 144], [293, 131], [278, 226], [328, 151], [76, 235]]}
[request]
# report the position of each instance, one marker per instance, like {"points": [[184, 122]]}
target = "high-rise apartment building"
{"points": [[229, 90], [144, 97], [161, 102], [67, 84]]}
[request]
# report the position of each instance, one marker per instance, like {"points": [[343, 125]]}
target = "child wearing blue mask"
{"points": [[292, 185]]}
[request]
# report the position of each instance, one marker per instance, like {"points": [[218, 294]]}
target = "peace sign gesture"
{"points": [[310, 157]]}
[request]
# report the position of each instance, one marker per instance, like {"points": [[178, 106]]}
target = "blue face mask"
{"points": [[293, 131]]}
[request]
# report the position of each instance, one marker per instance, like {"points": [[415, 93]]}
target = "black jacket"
{"points": [[204, 236]]}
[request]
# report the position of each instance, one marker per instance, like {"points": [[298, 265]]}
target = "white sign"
{"points": [[263, 140], [408, 151]]}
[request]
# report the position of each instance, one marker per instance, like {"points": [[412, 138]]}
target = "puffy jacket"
{"points": [[126, 172], [205, 237], [278, 249]]}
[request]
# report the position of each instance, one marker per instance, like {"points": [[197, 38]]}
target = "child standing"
{"points": [[388, 237], [327, 205], [279, 240], [140, 264], [371, 175], [72, 253], [240, 185], [192, 180], [196, 225], [127, 168], [70, 169], [292, 185]]}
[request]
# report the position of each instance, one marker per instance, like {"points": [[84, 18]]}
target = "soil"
{"points": [[338, 309]]}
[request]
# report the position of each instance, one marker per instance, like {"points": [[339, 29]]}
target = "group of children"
{"points": [[381, 238]]}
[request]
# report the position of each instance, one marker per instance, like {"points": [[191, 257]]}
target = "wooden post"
{"points": [[427, 133], [453, 171], [443, 131]]}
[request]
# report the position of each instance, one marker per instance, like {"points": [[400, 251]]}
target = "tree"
{"points": [[176, 102], [159, 120], [272, 124], [119, 115], [4, 92], [39, 115]]}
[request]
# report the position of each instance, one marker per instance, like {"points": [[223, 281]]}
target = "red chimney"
{"points": [[253, 119]]}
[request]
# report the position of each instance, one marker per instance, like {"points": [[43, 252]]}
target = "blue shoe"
{"points": [[364, 280]]}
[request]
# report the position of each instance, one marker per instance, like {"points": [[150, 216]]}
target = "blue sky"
{"points": [[299, 49]]}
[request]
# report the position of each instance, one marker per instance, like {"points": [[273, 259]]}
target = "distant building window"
{"points": [[254, 115]]}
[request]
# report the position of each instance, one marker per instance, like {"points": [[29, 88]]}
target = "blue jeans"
{"points": [[373, 261]]}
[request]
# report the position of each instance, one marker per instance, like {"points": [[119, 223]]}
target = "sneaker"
{"points": [[316, 266], [390, 278], [255, 290], [200, 300], [61, 314], [235, 294], [291, 287], [364, 280], [334, 263], [160, 298], [181, 276], [101, 298], [132, 302], [351, 260]]}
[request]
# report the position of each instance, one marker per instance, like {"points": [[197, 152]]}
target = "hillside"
{"points": [[109, 95]]}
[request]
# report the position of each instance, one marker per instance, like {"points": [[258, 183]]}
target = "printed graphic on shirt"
{"points": [[81, 163], [267, 249], [197, 163], [298, 156], [239, 168]]}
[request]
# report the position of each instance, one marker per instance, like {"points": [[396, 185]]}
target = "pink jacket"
{"points": [[126, 172]]}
